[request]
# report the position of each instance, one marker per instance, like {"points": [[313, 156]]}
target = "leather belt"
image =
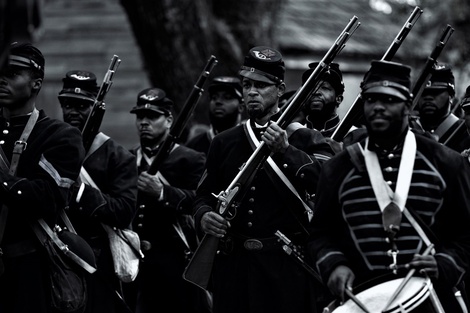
{"points": [[235, 241]]}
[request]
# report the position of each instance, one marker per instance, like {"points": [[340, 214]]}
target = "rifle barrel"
{"points": [[426, 74], [355, 110]]}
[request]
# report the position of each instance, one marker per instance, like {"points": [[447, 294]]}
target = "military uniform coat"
{"points": [[347, 226], [160, 284], [265, 280]]}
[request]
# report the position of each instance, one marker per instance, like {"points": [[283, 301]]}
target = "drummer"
{"points": [[362, 227]]}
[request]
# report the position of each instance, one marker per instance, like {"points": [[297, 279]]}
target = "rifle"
{"points": [[200, 266], [426, 73], [292, 251], [182, 119], [355, 110], [93, 122]]}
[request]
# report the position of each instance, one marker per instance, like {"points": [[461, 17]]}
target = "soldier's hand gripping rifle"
{"points": [[354, 112], [93, 122], [183, 117], [199, 268]]}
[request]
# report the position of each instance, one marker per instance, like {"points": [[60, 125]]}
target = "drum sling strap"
{"points": [[280, 180]]}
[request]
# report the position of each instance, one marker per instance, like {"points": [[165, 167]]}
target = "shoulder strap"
{"points": [[98, 141], [278, 177], [356, 156]]}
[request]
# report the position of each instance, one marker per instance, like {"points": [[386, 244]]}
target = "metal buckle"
{"points": [[253, 244]]}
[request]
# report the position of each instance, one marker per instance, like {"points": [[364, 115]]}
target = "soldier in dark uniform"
{"points": [[382, 201], [225, 110], [252, 273], [163, 221], [49, 162], [105, 193], [320, 110], [434, 109]]}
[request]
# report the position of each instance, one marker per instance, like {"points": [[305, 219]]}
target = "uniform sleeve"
{"points": [[304, 158]]}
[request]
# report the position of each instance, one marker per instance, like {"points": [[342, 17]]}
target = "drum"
{"points": [[415, 297]]}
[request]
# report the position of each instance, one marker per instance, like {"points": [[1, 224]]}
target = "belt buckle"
{"points": [[253, 244]]}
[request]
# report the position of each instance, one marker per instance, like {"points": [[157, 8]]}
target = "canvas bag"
{"points": [[125, 250]]}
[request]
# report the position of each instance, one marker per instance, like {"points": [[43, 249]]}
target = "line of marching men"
{"points": [[389, 199]]}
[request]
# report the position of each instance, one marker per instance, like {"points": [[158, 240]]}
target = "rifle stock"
{"points": [[199, 268], [183, 117], [93, 122], [355, 110]]}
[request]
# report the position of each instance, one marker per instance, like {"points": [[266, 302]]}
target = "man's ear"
{"points": [[339, 99], [169, 120], [37, 84]]}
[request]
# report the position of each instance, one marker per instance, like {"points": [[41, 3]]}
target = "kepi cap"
{"points": [[226, 83], [386, 77], [264, 64], [442, 78], [26, 55], [334, 76], [153, 99], [79, 84]]}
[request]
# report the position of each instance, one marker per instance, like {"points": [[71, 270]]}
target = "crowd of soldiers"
{"points": [[314, 224]]}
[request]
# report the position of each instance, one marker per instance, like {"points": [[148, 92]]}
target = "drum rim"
{"points": [[409, 304]]}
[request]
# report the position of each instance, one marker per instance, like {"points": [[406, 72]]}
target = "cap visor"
{"points": [[256, 76], [387, 91], [135, 110], [77, 96]]}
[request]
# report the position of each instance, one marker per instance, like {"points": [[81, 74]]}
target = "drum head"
{"points": [[375, 298]]}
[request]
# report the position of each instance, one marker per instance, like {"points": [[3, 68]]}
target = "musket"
{"points": [[93, 122], [183, 117], [426, 72], [354, 112], [199, 268]]}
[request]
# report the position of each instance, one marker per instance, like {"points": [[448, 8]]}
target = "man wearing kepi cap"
{"points": [[164, 220], [319, 111], [383, 201], [252, 273], [321, 107], [48, 155], [225, 110], [435, 109], [106, 191]]}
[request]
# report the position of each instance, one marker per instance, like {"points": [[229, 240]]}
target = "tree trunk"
{"points": [[176, 39]]}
